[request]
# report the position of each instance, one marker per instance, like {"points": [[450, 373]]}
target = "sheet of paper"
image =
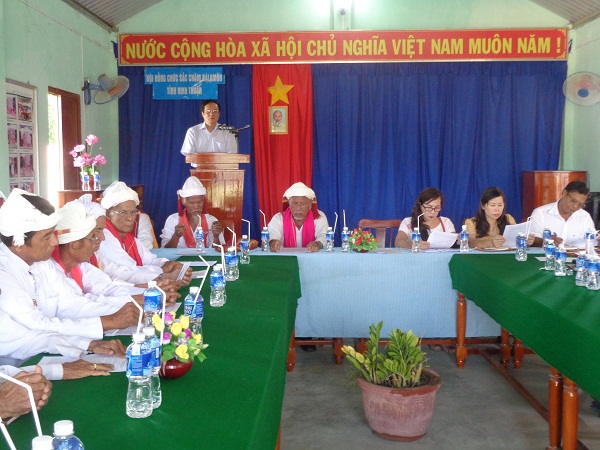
{"points": [[184, 268], [202, 263], [188, 251], [120, 364], [132, 329], [441, 239], [198, 274], [511, 232]]}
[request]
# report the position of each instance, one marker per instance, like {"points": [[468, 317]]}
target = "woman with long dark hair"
{"points": [[486, 228], [428, 206]]}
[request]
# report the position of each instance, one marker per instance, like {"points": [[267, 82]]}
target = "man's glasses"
{"points": [[577, 204], [209, 111], [124, 212], [431, 208], [92, 239]]}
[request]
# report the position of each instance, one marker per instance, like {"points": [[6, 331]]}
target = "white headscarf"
{"points": [[74, 223], [91, 207], [118, 192], [299, 190], [18, 216], [192, 186]]}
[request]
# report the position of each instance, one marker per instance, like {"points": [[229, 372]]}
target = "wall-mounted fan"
{"points": [[108, 90], [582, 88]]}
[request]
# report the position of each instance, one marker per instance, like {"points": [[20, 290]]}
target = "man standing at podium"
{"points": [[207, 137]]}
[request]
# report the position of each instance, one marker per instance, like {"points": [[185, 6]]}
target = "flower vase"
{"points": [[173, 368], [85, 181], [97, 182], [360, 250]]}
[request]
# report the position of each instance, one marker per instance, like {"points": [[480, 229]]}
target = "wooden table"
{"points": [[550, 315]]}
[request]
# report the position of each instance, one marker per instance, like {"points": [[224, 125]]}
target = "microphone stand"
{"points": [[233, 130]]}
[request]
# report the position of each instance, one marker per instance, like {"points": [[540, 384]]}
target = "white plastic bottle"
{"points": [[329, 243], [64, 436], [139, 390], [244, 250], [345, 240], [264, 239], [42, 443], [155, 363], [521, 253], [416, 242], [199, 238], [218, 296], [232, 271], [560, 265], [152, 302], [464, 240]]}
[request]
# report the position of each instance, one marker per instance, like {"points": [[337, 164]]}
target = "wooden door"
{"points": [[70, 105]]}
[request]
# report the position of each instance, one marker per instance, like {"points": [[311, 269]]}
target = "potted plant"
{"points": [[362, 241], [398, 390], [179, 345]]}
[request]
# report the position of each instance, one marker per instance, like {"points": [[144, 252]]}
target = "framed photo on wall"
{"points": [[278, 119]]}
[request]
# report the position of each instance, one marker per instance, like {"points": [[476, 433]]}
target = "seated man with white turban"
{"points": [[301, 224], [180, 227], [33, 293], [122, 256], [27, 288]]}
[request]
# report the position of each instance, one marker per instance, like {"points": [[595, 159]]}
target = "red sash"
{"points": [[75, 272], [127, 243], [289, 229], [188, 233], [94, 261]]}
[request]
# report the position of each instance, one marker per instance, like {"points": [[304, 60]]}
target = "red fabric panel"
{"points": [[282, 159]]}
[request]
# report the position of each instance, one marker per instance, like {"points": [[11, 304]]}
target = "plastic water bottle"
{"points": [[345, 240], [218, 296], [264, 239], [547, 237], [194, 309], [590, 242], [245, 250], [550, 255], [42, 443], [85, 181], [560, 266], [593, 282], [521, 253], [329, 243], [64, 436], [152, 302], [464, 240], [580, 270], [139, 391], [416, 242], [199, 238], [97, 182], [232, 270], [155, 354]]}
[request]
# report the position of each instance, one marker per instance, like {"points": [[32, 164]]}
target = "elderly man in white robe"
{"points": [[122, 256], [180, 227], [47, 303], [301, 224]]}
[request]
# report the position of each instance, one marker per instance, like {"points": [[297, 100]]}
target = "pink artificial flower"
{"points": [[166, 337], [76, 150], [168, 318], [91, 139], [188, 333], [99, 160], [79, 161]]}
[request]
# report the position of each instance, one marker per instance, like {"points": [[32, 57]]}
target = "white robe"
{"points": [[173, 220]]}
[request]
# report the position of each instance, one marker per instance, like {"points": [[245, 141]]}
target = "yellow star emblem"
{"points": [[279, 91]]}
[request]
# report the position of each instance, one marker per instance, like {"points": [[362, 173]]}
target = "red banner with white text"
{"points": [[342, 46], [283, 130]]}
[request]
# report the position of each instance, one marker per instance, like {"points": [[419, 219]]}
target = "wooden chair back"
{"points": [[384, 237]]}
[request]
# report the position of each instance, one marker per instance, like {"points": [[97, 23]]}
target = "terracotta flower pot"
{"points": [[362, 250], [400, 414], [174, 368]]}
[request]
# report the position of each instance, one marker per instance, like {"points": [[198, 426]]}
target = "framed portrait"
{"points": [[25, 136], [13, 166], [13, 135], [278, 120], [11, 106], [26, 165]]}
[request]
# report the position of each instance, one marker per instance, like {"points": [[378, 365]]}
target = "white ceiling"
{"points": [[110, 13]]}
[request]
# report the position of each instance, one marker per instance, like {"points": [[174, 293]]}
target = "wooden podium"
{"points": [[224, 182]]}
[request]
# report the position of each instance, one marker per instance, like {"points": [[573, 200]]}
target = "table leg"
{"points": [[291, 358], [461, 330], [519, 353], [338, 354], [504, 348], [360, 344], [569, 414], [555, 384]]}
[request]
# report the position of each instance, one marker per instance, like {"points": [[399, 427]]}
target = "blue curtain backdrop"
{"points": [[382, 133], [151, 133]]}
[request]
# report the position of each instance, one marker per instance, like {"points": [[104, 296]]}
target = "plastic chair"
{"points": [[381, 230]]}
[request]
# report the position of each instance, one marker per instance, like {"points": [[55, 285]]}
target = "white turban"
{"points": [[192, 186], [118, 192], [74, 223], [91, 207], [18, 216], [299, 190]]}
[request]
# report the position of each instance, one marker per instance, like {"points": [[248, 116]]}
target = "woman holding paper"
{"points": [[486, 228], [425, 217]]}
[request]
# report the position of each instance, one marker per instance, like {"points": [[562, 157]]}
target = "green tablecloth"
{"points": [[552, 316], [232, 400]]}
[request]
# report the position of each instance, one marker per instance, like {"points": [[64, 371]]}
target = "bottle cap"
{"points": [[42, 443], [138, 337], [329, 229], [231, 249], [151, 284], [345, 228], [63, 427], [148, 331], [464, 227], [218, 267], [244, 236], [265, 229], [194, 289]]}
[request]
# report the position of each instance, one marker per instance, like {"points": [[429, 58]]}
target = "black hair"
{"points": [[206, 102], [482, 226], [577, 186], [426, 195]]}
